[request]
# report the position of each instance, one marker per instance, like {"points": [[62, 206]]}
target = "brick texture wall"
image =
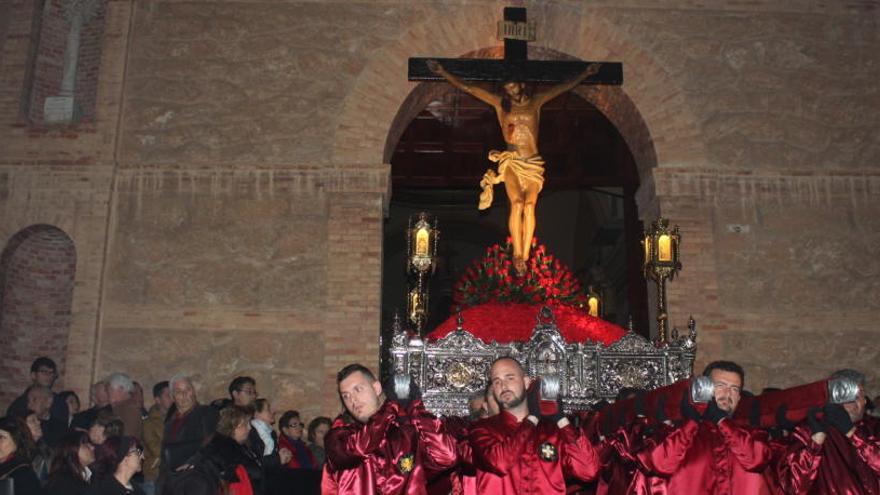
{"points": [[37, 270], [49, 39]]}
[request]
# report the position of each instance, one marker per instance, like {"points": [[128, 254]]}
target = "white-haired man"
{"points": [[124, 405], [188, 426]]}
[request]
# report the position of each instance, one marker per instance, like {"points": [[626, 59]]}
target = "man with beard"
{"points": [[382, 445], [708, 453], [522, 450], [837, 454]]}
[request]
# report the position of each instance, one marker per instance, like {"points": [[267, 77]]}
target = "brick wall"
{"points": [[49, 40], [37, 270]]}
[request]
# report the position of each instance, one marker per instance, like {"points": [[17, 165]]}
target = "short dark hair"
{"points": [[353, 368], [505, 358], [315, 423], [729, 366], [43, 362], [159, 387], [261, 404], [240, 381], [286, 417], [64, 394]]}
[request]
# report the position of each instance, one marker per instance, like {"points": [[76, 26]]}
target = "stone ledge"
{"points": [[335, 178], [798, 185]]}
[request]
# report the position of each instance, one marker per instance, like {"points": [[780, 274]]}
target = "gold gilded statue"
{"points": [[520, 167]]}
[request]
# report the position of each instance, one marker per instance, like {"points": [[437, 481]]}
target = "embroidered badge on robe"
{"points": [[406, 463], [547, 451]]}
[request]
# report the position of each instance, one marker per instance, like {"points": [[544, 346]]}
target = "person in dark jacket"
{"points": [[117, 460], [225, 465], [44, 372], [15, 462], [70, 473], [188, 426], [318, 427]]}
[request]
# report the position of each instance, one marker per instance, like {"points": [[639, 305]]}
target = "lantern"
{"points": [[421, 240], [661, 245], [595, 304]]}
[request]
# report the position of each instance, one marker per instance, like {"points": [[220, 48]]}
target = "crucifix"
{"points": [[520, 167]]}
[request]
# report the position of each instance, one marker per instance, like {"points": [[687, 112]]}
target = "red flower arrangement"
{"points": [[494, 279], [505, 323]]}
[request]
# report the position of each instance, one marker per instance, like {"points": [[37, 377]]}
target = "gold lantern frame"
{"points": [[662, 246], [422, 238]]}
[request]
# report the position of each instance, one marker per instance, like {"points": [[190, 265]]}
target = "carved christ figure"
{"points": [[520, 167]]}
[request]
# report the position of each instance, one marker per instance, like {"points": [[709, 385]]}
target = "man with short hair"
{"points": [[44, 372], [188, 425], [124, 405], [527, 448], [382, 445], [243, 391], [154, 427], [709, 453], [39, 402], [835, 453]]}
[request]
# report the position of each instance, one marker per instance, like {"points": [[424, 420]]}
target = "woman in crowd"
{"points": [[260, 440], [291, 438], [225, 465], [15, 463], [117, 460], [70, 473], [318, 427]]}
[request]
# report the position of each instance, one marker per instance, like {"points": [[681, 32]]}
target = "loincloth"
{"points": [[527, 170]]}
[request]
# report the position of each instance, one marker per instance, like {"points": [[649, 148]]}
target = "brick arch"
{"points": [[37, 271], [650, 111]]}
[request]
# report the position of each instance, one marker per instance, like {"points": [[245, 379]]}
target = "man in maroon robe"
{"points": [[708, 453], [527, 448], [838, 454], [382, 446]]}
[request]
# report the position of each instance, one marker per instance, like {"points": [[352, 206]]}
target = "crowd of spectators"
{"points": [[515, 440], [51, 445]]}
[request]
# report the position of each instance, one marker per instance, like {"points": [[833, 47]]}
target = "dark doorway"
{"points": [[586, 213]]}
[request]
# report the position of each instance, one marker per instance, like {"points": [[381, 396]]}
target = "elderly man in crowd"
{"points": [[124, 405], [39, 402], [836, 450], [188, 425]]}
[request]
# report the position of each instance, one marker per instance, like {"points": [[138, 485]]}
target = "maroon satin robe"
{"points": [[388, 455], [840, 466], [702, 457], [518, 458]]}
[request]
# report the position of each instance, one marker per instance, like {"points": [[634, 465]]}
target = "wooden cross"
{"points": [[516, 66]]}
